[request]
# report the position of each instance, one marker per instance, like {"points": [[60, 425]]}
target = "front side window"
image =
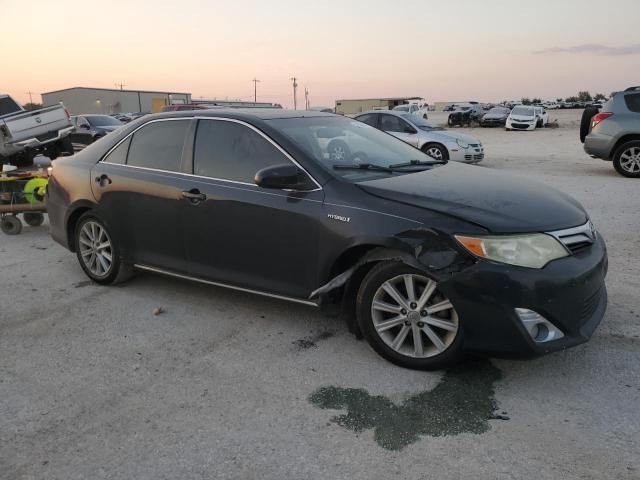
{"points": [[232, 151], [158, 145], [391, 123]]}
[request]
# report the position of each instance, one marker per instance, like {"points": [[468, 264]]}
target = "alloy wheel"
{"points": [[96, 249], [434, 152], [413, 317], [630, 160]]}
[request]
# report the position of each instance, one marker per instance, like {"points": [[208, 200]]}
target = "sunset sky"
{"points": [[487, 50]]}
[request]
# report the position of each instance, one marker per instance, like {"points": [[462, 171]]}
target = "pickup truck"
{"points": [[26, 133]]}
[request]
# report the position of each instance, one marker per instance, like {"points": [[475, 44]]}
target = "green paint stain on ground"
{"points": [[463, 402]]}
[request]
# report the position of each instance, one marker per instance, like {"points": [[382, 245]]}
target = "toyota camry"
{"points": [[426, 259]]}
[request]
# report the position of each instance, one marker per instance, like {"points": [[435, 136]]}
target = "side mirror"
{"points": [[85, 126], [278, 176]]}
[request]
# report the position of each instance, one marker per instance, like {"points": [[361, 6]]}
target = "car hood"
{"points": [[499, 202], [522, 118], [445, 135], [495, 116]]}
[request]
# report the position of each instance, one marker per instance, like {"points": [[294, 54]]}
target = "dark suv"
{"points": [[427, 258], [613, 132]]}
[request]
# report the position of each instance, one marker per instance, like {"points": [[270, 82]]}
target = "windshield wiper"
{"points": [[418, 163], [363, 166]]}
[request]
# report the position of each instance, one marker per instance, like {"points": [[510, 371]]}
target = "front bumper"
{"points": [[513, 125], [473, 154], [492, 122], [569, 292]]}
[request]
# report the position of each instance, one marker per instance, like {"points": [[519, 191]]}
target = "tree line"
{"points": [[583, 96]]}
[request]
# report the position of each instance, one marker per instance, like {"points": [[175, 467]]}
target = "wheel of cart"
{"points": [[10, 225], [33, 219]]}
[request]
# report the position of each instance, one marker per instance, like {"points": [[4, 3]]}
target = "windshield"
{"points": [[335, 141], [420, 122], [524, 111], [103, 121], [499, 110]]}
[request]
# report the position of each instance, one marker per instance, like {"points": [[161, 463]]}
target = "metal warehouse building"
{"points": [[350, 106], [82, 100]]}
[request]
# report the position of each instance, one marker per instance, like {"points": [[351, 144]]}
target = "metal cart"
{"points": [[22, 192]]}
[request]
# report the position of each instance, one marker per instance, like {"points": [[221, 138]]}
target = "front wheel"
{"points": [[33, 219], [626, 159], [407, 319], [99, 252], [10, 225], [436, 151]]}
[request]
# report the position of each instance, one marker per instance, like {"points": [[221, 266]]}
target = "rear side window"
{"points": [[633, 102], [369, 119], [231, 151], [158, 145], [119, 154], [7, 106]]}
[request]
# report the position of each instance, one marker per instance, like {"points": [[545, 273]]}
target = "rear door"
{"points": [[81, 134], [241, 234], [138, 187]]}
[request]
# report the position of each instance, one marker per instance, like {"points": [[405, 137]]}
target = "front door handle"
{"points": [[194, 195], [103, 180]]}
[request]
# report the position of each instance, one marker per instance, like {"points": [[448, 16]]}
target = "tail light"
{"points": [[599, 117]]}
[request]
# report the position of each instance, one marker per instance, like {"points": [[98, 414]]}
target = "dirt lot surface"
{"points": [[229, 385]]}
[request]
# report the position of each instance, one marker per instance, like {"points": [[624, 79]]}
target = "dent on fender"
{"points": [[424, 249]]}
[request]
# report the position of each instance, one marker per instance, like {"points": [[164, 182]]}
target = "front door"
{"points": [[243, 235], [399, 128], [138, 187]]}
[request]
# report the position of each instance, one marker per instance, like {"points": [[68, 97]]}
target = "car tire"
{"points": [[585, 122], [409, 337], [11, 225], [626, 159], [66, 146], [98, 251], [436, 151], [450, 121], [338, 151], [33, 219]]}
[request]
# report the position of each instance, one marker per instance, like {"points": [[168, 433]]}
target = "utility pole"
{"points": [[306, 98], [30, 99], [255, 90], [121, 85], [295, 93]]}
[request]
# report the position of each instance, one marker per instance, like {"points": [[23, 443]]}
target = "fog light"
{"points": [[539, 328]]}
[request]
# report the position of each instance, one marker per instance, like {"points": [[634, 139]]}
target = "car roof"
{"points": [[245, 113], [397, 113]]}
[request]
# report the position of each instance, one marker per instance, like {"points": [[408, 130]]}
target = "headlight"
{"points": [[531, 250], [462, 143]]}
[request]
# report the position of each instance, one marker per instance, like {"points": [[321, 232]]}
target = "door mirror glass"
{"points": [[278, 176]]}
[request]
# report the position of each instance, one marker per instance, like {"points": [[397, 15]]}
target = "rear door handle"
{"points": [[194, 195], [103, 180]]}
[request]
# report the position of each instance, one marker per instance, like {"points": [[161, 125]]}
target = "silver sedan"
{"points": [[436, 142]]}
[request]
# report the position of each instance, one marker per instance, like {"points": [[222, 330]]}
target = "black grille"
{"points": [[477, 157], [578, 247], [520, 125]]}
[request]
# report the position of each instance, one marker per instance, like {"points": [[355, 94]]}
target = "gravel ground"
{"points": [[224, 384]]}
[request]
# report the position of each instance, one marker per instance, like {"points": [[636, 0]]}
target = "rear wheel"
{"points": [[585, 122], [99, 252], [338, 151], [626, 159], [407, 319], [11, 225]]}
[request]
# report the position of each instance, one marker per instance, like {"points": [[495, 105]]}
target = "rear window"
{"points": [[158, 145], [633, 102], [7, 106]]}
